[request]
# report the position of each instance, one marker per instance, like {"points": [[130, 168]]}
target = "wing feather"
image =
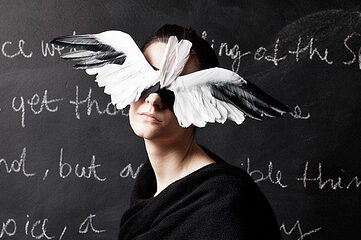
{"points": [[217, 94], [175, 57], [117, 62]]}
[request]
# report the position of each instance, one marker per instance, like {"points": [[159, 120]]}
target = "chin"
{"points": [[147, 131]]}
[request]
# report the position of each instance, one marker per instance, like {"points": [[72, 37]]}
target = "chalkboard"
{"points": [[68, 159]]}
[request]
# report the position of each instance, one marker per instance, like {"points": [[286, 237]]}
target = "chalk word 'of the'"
{"points": [[334, 184], [259, 176], [16, 166], [65, 169], [305, 48]]}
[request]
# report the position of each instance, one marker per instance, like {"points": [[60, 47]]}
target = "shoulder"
{"points": [[226, 174], [229, 196], [221, 179]]}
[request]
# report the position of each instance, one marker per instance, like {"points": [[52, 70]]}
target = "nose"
{"points": [[154, 100]]}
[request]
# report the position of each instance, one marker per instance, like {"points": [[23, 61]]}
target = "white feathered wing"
{"points": [[101, 54], [194, 102], [211, 95]]}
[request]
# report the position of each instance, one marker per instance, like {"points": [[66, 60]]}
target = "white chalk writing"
{"points": [[50, 49], [38, 228], [110, 108], [296, 228], [312, 51], [8, 228], [332, 183], [65, 169], [20, 46], [88, 222], [303, 48], [297, 113], [33, 102], [259, 176], [128, 171], [345, 43], [16, 165]]}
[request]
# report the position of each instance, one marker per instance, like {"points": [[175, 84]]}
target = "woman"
{"points": [[184, 191]]}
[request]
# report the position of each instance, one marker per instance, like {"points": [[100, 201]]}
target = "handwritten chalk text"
{"points": [[65, 169], [16, 166]]}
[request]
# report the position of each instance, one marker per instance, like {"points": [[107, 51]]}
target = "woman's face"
{"points": [[149, 117]]}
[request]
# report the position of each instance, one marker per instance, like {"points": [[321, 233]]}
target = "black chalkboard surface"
{"points": [[68, 159]]}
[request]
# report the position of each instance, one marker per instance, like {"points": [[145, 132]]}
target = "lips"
{"points": [[149, 117]]}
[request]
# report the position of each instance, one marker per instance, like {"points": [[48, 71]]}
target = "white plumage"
{"points": [[210, 95]]}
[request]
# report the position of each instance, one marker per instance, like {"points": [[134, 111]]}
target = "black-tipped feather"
{"points": [[241, 104], [261, 95], [85, 54], [241, 97], [92, 53], [250, 99], [87, 45], [88, 42], [95, 63], [78, 55]]}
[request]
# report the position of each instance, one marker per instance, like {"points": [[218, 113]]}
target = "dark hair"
{"points": [[205, 55]]}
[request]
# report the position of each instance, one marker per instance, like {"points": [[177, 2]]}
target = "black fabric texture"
{"points": [[218, 201]]}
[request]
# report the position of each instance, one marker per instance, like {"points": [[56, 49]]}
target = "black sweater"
{"points": [[218, 201]]}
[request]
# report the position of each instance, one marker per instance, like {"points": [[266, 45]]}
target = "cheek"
{"points": [[173, 126], [173, 121], [133, 114]]}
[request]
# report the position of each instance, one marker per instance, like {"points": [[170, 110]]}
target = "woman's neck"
{"points": [[173, 161]]}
